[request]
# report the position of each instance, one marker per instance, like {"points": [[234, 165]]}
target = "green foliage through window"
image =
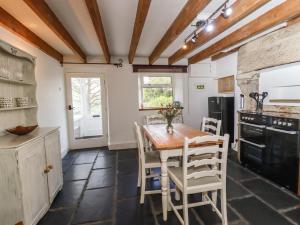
{"points": [[156, 91]]}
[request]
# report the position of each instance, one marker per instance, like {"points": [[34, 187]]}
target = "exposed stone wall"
{"points": [[277, 48]]}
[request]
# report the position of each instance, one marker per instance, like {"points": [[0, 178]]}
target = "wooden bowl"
{"points": [[20, 130]]}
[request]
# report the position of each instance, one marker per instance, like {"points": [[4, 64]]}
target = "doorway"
{"points": [[86, 104]]}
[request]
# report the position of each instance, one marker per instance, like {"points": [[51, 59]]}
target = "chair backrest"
{"points": [[140, 142], [178, 119], [155, 119], [213, 164], [211, 125]]}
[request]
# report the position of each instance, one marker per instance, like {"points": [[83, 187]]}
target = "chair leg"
{"points": [[143, 186], [185, 209], [139, 175], [177, 194], [224, 207], [214, 195]]}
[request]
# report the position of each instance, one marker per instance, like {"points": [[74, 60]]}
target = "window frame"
{"points": [[142, 86]]}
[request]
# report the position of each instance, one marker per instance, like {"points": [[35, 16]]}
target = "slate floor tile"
{"points": [[78, 172], [127, 154], [127, 186], [105, 162], [235, 190], [129, 166], [173, 220], [66, 164], [85, 158], [102, 223], [60, 217], [237, 172], [130, 212], [101, 178], [210, 217], [271, 194], [69, 195], [294, 215], [106, 152], [96, 205], [257, 213]]}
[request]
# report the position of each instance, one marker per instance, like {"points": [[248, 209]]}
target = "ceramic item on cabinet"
{"points": [[22, 101], [7, 102]]}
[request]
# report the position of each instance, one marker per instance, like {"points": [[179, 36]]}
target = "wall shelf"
{"points": [[18, 108], [2, 79]]}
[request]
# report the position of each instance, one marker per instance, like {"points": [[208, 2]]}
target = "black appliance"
{"points": [[282, 152], [253, 140], [270, 145], [222, 108]]}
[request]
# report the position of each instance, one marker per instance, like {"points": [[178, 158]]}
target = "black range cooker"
{"points": [[270, 145]]}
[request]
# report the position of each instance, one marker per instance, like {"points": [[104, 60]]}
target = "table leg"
{"points": [[164, 185]]}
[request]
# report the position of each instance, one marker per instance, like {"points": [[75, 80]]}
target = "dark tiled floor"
{"points": [[100, 189]]}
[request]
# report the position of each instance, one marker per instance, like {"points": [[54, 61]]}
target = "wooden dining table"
{"points": [[170, 145]]}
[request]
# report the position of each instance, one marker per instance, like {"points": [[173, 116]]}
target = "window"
{"points": [[155, 91]]}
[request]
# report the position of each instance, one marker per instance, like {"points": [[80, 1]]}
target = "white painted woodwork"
{"points": [[211, 125], [34, 188], [201, 176], [26, 190], [53, 157], [20, 67]]}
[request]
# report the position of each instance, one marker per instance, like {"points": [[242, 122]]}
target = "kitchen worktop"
{"points": [[274, 114]]}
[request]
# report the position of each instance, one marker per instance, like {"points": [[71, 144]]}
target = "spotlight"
{"points": [[194, 38], [184, 46], [209, 26], [227, 11]]}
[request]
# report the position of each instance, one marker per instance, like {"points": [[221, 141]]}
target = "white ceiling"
{"points": [[118, 18], [74, 15]]}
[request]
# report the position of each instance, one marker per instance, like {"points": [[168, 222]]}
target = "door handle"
{"points": [[70, 107]]}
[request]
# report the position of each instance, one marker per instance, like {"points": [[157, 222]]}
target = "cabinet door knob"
{"points": [[50, 167], [46, 170]]}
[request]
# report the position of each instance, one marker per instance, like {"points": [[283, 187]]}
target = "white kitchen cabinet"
{"points": [[31, 175]]}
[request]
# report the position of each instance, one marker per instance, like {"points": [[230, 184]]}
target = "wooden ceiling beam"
{"points": [[221, 55], [184, 19], [140, 18], [44, 12], [13, 25], [241, 9], [95, 15], [284, 12]]}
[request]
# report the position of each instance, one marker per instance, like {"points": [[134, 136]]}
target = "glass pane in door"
{"points": [[87, 113]]}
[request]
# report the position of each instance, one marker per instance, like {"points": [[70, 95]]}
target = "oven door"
{"points": [[252, 155], [253, 133], [282, 157]]}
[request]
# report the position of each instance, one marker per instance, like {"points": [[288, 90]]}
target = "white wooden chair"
{"points": [[211, 125], [202, 176], [148, 160]]}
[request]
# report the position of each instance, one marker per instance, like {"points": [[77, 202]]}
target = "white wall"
{"points": [[50, 86], [196, 101], [123, 100], [227, 66]]}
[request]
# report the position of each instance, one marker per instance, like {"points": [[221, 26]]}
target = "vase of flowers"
{"points": [[169, 112]]}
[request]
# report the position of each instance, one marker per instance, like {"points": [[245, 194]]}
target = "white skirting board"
{"points": [[64, 152], [124, 146]]}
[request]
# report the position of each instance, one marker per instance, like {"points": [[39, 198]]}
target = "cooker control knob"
{"points": [[252, 119], [284, 123], [289, 124], [279, 123], [275, 122]]}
